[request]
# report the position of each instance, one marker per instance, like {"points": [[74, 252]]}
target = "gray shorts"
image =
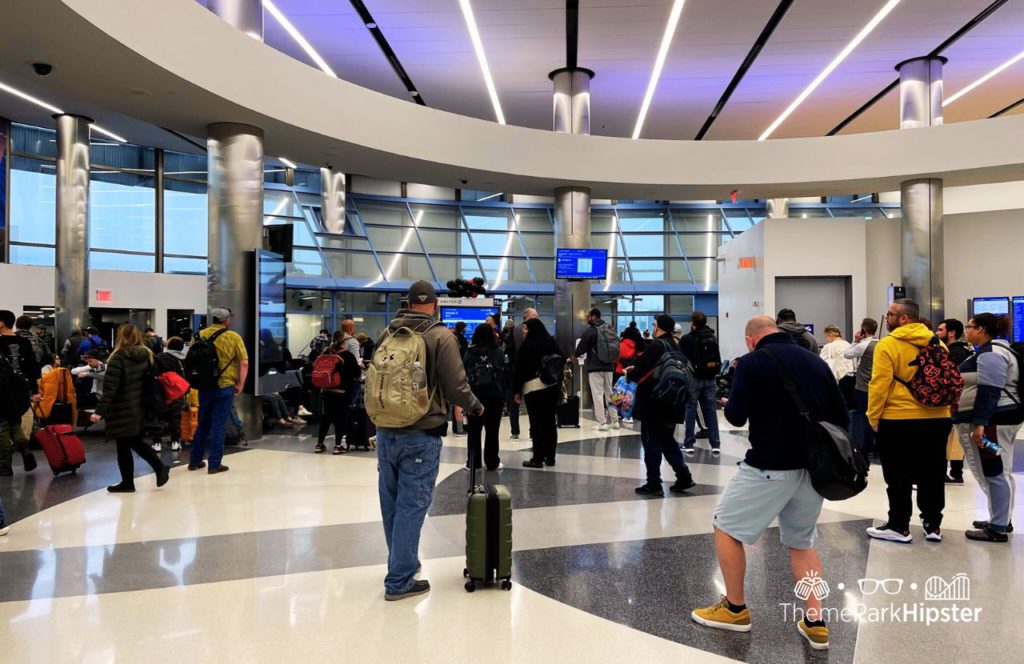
{"points": [[754, 498]]}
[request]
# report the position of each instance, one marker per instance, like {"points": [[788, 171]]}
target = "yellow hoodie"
{"points": [[889, 399]]}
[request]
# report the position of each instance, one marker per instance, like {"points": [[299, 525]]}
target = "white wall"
{"points": [[983, 257], [740, 291], [26, 285]]}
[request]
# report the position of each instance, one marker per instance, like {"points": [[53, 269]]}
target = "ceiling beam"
{"points": [[1007, 109], [389, 53]]}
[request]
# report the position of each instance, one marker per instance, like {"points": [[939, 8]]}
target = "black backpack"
{"points": [[838, 468], [1014, 417], [551, 369], [153, 402], [202, 364], [15, 392], [484, 377], [707, 357], [673, 383]]}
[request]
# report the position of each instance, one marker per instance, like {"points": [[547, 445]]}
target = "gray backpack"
{"points": [[607, 347]]}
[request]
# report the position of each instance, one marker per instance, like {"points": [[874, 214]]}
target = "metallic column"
{"points": [[332, 199], [778, 208], [235, 154], [71, 297], [246, 15], [921, 246], [572, 208], [159, 155]]}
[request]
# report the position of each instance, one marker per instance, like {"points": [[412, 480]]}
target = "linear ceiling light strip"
{"points": [[838, 60], [287, 162], [297, 36], [984, 79], [748, 62], [389, 53], [481, 57], [53, 109], [955, 37], [659, 64]]}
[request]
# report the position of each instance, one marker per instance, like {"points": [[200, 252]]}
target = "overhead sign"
{"points": [[488, 302]]}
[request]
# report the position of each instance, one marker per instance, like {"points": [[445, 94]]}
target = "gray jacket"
{"points": [[588, 346], [801, 336], [445, 371]]}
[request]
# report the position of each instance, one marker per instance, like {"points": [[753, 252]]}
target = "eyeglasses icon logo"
{"points": [[811, 584], [889, 586], [957, 589]]}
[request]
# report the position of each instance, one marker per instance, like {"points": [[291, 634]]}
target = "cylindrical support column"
{"points": [[71, 297], [332, 199], [778, 208], [160, 211], [921, 245], [235, 200], [246, 15], [571, 115]]}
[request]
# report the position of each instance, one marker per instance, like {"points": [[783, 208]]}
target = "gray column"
{"points": [[246, 15], [572, 206], [332, 199], [71, 297], [778, 208], [235, 154], [921, 246]]}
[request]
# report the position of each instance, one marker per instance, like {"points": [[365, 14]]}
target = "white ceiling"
{"points": [[525, 40]]}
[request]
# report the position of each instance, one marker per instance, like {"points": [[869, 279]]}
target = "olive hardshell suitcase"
{"points": [[488, 534]]}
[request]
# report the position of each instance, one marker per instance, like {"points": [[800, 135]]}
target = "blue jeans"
{"points": [[2, 522], [214, 410], [407, 462], [659, 441], [704, 392]]}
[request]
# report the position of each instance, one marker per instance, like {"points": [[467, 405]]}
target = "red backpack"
{"points": [[325, 375], [174, 386], [937, 381]]}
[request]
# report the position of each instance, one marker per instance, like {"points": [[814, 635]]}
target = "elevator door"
{"points": [[818, 302]]}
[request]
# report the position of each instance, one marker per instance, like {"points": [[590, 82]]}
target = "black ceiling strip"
{"points": [[572, 33], [185, 138], [1007, 109], [955, 37], [389, 53], [755, 50]]}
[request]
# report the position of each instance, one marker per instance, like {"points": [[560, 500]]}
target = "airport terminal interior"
{"points": [[304, 163]]}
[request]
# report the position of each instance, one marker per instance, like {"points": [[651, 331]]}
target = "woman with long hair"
{"points": [[123, 410], [541, 397], [336, 400], [488, 378]]}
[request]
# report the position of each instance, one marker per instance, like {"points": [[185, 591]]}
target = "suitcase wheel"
{"points": [[470, 586], [506, 584]]}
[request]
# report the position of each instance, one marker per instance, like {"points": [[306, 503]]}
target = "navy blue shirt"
{"points": [[758, 395]]}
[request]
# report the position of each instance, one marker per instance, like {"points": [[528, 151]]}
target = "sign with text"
{"points": [[104, 296], [488, 302]]}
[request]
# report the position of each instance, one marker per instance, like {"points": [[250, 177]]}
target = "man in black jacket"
{"points": [[951, 333], [701, 348], [656, 426], [599, 372], [771, 481]]}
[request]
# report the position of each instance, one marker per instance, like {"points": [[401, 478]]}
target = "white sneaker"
{"points": [[689, 451], [601, 427], [716, 452], [175, 445], [500, 467], [627, 420], [884, 532], [616, 424], [157, 447], [4, 530], [303, 412]]}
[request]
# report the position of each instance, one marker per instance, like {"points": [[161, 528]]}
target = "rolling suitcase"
{"points": [[63, 449], [568, 414], [189, 424], [488, 534]]}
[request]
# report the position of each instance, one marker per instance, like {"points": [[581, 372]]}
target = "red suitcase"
{"points": [[63, 449]]}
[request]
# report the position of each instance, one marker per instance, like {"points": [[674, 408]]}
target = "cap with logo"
{"points": [[422, 292]]}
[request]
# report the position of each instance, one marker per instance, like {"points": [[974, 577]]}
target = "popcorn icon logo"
{"points": [[957, 589], [811, 584]]}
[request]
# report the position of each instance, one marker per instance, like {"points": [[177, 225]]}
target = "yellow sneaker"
{"points": [[816, 636], [720, 617]]}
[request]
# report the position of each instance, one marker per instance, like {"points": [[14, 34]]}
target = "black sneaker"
{"points": [[197, 466], [550, 464], [981, 525], [218, 469], [338, 449], [418, 588], [162, 476], [320, 448], [654, 490], [954, 480], [682, 486], [28, 461], [121, 488], [533, 463], [986, 535]]}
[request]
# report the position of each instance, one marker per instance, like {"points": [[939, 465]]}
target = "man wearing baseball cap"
{"points": [[215, 405]]}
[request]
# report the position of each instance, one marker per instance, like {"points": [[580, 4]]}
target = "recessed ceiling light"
{"points": [[414, 93], [865, 31], [998, 70], [299, 39], [53, 109], [289, 164], [478, 46], [659, 64], [371, 25]]}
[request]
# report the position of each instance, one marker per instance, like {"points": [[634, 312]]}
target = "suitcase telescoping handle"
{"points": [[472, 469]]}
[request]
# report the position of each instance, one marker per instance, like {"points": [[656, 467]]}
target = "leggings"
{"points": [[335, 411], [125, 462]]}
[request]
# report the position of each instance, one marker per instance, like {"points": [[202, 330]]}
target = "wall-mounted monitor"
{"points": [[997, 306], [471, 316], [581, 264], [1018, 318]]}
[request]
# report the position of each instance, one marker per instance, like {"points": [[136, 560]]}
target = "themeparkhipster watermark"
{"points": [[944, 601]]}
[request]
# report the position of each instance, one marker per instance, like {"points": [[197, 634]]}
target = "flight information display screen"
{"points": [[581, 263], [471, 316], [1018, 318]]}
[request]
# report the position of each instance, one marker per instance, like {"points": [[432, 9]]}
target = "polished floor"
{"points": [[282, 558]]}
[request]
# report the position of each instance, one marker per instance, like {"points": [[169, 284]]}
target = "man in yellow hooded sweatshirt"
{"points": [[911, 437]]}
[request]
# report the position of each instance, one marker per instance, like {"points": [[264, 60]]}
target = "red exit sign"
{"points": [[104, 296], [747, 263]]}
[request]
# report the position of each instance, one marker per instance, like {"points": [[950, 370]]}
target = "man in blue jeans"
{"points": [[408, 457], [701, 348], [215, 405]]}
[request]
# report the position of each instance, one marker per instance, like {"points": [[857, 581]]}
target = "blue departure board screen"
{"points": [[581, 263], [1018, 318]]}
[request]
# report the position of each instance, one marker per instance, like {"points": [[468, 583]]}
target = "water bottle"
{"points": [[990, 445], [419, 377]]}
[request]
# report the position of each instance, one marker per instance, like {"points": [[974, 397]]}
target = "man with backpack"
{"points": [[658, 419], [513, 342], [601, 346], [786, 321], [414, 374], [772, 481], [23, 373], [700, 346], [216, 365], [93, 343], [913, 384], [43, 354]]}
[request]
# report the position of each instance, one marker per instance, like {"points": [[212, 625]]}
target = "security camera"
{"points": [[464, 181], [42, 68]]}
